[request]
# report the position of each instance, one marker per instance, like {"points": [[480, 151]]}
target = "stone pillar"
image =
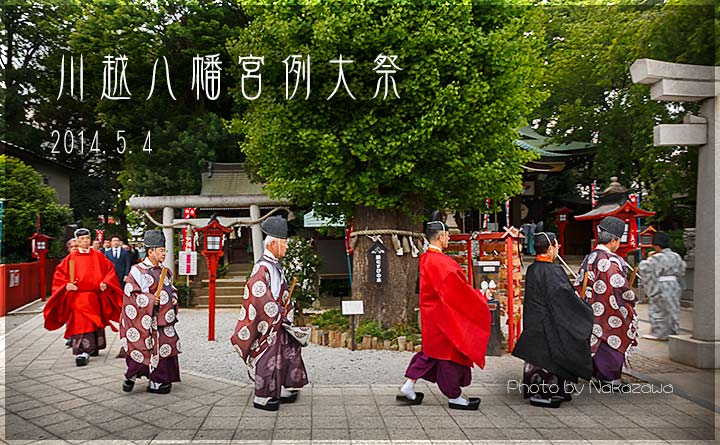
{"points": [[688, 281], [257, 239], [708, 198], [678, 82], [168, 214]]}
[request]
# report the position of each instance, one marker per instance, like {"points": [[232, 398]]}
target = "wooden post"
{"points": [[511, 292]]}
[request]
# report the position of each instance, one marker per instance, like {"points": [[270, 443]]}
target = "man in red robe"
{"points": [[455, 323], [86, 297]]}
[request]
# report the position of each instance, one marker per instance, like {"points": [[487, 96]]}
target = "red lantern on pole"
{"points": [[213, 240], [561, 218], [39, 246]]}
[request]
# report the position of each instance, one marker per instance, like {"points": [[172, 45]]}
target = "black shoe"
{"points": [[128, 385], [163, 389], [473, 404], [272, 405], [68, 343], [81, 360], [552, 402], [291, 398], [95, 353], [403, 399]]}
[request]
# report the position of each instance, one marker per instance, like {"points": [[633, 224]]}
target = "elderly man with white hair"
{"points": [[259, 337]]}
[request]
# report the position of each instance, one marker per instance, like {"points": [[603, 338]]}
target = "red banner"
{"points": [[187, 242], [188, 239], [100, 235]]}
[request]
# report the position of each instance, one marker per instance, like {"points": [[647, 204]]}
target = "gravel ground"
{"points": [[325, 366]]}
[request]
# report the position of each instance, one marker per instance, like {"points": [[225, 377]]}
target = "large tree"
{"points": [[26, 200], [185, 133], [468, 78], [589, 53]]}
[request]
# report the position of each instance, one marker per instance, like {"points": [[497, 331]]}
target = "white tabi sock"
{"points": [[261, 400], [155, 385], [459, 401], [408, 389], [84, 355], [284, 392]]}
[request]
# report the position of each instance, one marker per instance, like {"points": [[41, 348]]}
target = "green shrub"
{"points": [[302, 261], [371, 328], [184, 294], [676, 241], [332, 320]]}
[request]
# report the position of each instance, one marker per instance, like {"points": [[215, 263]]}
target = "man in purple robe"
{"points": [[603, 283], [259, 337], [147, 322]]}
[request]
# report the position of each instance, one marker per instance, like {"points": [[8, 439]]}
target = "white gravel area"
{"points": [[325, 366]]}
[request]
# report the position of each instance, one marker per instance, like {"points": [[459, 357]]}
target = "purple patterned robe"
{"points": [[149, 337], [259, 337]]}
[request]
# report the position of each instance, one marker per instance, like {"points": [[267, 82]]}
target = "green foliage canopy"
{"points": [[589, 51], [27, 197], [469, 77]]}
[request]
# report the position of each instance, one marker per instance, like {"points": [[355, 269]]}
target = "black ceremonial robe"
{"points": [[557, 324]]}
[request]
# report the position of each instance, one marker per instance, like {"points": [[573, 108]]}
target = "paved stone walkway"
{"points": [[47, 398]]}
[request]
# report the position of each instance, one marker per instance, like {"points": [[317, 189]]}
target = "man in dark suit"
{"points": [[120, 259]]}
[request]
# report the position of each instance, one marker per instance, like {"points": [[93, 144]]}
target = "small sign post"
{"points": [[352, 308], [377, 263], [187, 264]]}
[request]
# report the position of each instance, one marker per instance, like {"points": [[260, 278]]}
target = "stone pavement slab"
{"points": [[47, 399]]}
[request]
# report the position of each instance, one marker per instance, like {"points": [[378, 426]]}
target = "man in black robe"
{"points": [[557, 324]]}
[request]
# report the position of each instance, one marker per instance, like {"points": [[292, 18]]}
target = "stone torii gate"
{"points": [[170, 203], [671, 82]]}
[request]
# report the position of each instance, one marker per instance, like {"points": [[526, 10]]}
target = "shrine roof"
{"points": [[229, 180], [615, 209], [542, 145]]}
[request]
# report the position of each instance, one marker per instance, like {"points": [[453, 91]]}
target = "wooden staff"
{"points": [[160, 286], [71, 264], [567, 267], [633, 276], [292, 288], [584, 285]]}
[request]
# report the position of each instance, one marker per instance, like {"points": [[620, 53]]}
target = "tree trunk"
{"points": [[391, 302]]}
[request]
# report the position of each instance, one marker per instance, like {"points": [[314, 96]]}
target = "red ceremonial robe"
{"points": [[87, 309], [455, 317]]}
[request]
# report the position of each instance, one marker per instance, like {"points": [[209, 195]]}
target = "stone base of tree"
{"points": [[338, 339]]}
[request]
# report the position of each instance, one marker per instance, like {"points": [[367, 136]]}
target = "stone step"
{"points": [[229, 291], [226, 282], [240, 268], [220, 301]]}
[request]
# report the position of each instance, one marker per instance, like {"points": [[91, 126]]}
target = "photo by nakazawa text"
{"points": [[590, 387]]}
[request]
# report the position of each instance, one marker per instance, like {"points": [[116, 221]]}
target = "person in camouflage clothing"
{"points": [[660, 273]]}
